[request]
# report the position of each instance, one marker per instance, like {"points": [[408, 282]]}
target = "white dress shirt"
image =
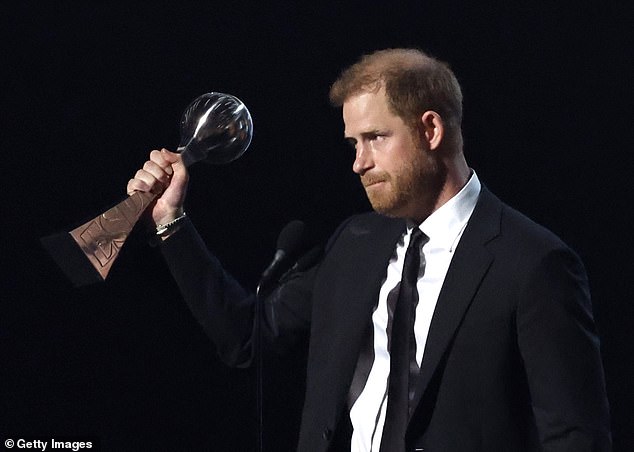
{"points": [[444, 228]]}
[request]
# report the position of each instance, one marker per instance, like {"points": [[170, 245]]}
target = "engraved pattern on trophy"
{"points": [[101, 238]]}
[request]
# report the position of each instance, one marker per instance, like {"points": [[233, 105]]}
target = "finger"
{"points": [[162, 159], [150, 182], [179, 170], [158, 172], [135, 185], [147, 180]]}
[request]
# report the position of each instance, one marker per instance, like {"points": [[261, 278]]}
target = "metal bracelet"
{"points": [[163, 228]]}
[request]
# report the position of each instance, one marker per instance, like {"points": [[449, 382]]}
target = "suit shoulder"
{"points": [[524, 229], [369, 222], [366, 225], [530, 241], [509, 229]]}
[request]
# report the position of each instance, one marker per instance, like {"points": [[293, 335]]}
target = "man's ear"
{"points": [[433, 130]]}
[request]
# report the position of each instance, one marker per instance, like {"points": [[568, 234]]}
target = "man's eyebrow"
{"points": [[371, 133]]}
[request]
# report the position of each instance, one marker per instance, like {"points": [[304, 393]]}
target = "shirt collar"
{"points": [[445, 225]]}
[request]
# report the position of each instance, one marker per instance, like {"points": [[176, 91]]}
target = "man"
{"points": [[498, 350]]}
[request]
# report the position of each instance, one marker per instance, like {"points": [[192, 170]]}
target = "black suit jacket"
{"points": [[512, 357]]}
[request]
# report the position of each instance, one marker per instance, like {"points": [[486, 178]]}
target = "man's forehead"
{"points": [[374, 89], [365, 108]]}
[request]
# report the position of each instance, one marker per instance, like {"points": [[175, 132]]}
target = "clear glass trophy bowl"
{"points": [[216, 128]]}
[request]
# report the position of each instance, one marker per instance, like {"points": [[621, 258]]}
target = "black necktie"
{"points": [[403, 366]]}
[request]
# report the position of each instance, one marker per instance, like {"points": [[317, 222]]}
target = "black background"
{"points": [[89, 90]]}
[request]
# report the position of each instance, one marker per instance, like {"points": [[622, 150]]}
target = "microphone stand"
{"points": [[287, 244], [259, 365]]}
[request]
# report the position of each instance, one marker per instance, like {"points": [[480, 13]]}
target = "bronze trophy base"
{"points": [[87, 253]]}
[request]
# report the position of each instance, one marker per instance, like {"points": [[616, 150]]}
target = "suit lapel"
{"points": [[468, 267], [361, 252], [364, 259]]}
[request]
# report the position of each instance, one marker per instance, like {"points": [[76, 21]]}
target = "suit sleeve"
{"points": [[225, 309], [559, 345]]}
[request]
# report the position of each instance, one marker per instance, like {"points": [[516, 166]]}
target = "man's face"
{"points": [[397, 170]]}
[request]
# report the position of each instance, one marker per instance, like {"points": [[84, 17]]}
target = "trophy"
{"points": [[215, 128]]}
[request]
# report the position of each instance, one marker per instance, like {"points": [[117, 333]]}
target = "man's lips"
{"points": [[372, 182]]}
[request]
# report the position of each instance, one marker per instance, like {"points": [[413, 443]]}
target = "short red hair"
{"points": [[414, 83]]}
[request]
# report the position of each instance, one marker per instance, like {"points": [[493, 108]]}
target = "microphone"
{"points": [[304, 263], [288, 243]]}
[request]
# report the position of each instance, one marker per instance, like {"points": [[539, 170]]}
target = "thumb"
{"points": [[171, 157]]}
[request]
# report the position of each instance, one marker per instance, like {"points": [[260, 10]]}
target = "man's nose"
{"points": [[363, 160]]}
